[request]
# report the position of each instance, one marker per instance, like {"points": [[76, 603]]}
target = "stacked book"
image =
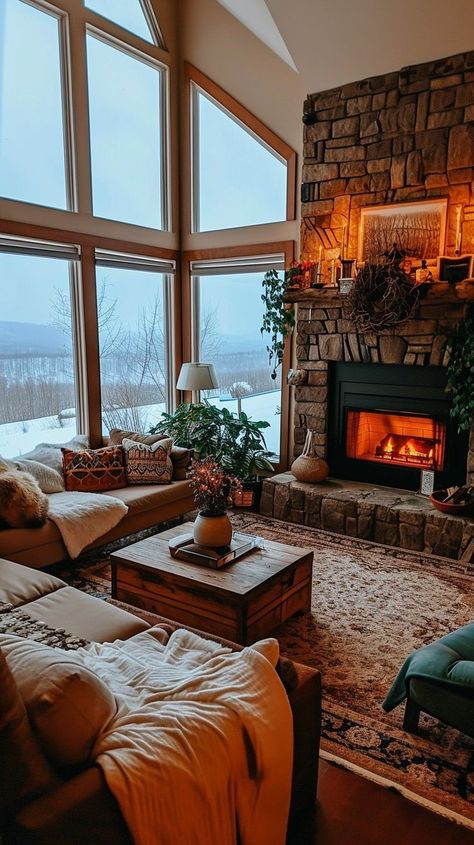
{"points": [[184, 548]]}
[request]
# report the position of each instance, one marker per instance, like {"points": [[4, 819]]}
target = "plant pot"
{"points": [[309, 467], [249, 496], [214, 531]]}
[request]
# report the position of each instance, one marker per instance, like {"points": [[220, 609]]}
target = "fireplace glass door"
{"points": [[404, 440]]}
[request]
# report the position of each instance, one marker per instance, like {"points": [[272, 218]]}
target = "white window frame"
{"points": [[227, 267], [195, 187], [70, 169], [151, 20], [166, 268], [164, 107], [72, 254]]}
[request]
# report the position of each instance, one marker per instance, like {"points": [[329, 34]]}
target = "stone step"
{"points": [[385, 515]]}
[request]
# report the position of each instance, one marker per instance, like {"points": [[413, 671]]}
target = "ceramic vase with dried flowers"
{"points": [[213, 490], [309, 466]]}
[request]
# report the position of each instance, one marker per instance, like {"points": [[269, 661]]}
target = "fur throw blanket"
{"points": [[22, 504]]}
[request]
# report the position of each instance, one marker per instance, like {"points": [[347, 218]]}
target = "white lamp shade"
{"points": [[197, 376]]}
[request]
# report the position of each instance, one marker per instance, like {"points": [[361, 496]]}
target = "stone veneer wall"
{"points": [[398, 137], [325, 334]]}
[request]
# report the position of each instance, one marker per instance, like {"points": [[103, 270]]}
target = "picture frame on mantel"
{"points": [[417, 228]]}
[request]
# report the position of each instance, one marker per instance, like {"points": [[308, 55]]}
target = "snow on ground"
{"points": [[18, 438]]}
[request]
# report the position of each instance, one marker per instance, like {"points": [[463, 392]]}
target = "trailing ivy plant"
{"points": [[460, 345], [279, 318]]}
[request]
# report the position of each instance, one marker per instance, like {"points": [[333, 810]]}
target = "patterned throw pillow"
{"points": [[94, 470], [148, 463]]}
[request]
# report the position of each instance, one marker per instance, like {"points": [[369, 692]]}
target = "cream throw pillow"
{"points": [[49, 480], [67, 704], [50, 453]]}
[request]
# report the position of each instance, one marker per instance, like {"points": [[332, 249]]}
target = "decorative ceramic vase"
{"points": [[212, 531], [308, 466]]}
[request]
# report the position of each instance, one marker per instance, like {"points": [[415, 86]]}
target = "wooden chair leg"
{"points": [[411, 717]]}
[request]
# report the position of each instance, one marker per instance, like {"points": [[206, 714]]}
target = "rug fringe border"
{"points": [[381, 780]]}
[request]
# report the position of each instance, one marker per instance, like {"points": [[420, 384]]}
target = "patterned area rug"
{"points": [[372, 605]]}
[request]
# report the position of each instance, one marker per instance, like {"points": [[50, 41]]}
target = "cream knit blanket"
{"points": [[200, 752]]}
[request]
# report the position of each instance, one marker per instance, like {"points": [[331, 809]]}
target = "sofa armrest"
{"points": [[80, 811], [305, 701]]}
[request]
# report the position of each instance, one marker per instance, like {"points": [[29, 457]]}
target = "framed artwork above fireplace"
{"points": [[417, 228]]}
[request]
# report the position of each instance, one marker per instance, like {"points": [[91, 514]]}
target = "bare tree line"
{"points": [[133, 366], [33, 398]]}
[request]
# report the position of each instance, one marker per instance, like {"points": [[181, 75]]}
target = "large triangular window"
{"points": [[242, 172], [134, 15]]}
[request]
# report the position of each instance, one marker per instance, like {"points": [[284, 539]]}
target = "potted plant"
{"points": [[234, 440], [279, 317], [460, 371], [212, 488]]}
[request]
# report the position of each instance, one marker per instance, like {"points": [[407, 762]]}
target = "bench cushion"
{"points": [[85, 616], [21, 584]]}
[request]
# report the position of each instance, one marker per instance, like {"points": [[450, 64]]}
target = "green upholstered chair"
{"points": [[439, 680]]}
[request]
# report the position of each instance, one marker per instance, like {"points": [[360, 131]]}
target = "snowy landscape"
{"points": [[37, 394]]}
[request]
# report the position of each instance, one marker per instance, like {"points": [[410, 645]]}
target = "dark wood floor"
{"points": [[354, 811]]}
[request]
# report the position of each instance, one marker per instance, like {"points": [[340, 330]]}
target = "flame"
{"points": [[389, 446]]}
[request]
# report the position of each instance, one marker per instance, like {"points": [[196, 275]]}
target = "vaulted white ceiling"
{"points": [[255, 15], [338, 41]]}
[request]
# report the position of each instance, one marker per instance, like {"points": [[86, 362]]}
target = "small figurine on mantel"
{"points": [[423, 274]]}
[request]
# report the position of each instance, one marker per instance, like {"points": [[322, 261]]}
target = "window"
{"points": [[130, 14], [238, 179], [126, 106], [37, 361], [134, 314], [32, 127], [227, 315]]}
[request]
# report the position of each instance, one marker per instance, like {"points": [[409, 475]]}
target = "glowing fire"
{"points": [[396, 447], [401, 439]]}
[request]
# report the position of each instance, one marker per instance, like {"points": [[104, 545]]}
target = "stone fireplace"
{"points": [[377, 401], [356, 504]]}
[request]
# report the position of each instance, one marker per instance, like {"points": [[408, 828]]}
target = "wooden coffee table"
{"points": [[244, 601]]}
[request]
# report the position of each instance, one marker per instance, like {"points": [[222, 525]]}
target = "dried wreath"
{"points": [[381, 297]]}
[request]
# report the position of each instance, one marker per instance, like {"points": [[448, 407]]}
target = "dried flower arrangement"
{"points": [[212, 487]]}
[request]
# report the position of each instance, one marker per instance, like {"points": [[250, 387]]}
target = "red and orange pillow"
{"points": [[94, 470], [112, 467]]}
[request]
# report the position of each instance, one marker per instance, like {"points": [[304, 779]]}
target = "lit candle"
{"points": [[343, 240], [457, 242]]}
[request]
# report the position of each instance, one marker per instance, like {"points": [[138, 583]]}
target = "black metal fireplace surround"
{"points": [[386, 391]]}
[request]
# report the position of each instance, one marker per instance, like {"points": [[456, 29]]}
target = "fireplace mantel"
{"points": [[438, 292]]}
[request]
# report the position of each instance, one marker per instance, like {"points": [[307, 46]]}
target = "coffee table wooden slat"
{"points": [[244, 601]]}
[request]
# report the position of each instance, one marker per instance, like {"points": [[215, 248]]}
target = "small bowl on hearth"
{"points": [[455, 509]]}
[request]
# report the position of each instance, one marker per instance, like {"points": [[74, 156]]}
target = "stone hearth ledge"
{"points": [[385, 515]]}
